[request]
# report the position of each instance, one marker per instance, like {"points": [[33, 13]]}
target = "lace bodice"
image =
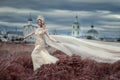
{"points": [[39, 37]]}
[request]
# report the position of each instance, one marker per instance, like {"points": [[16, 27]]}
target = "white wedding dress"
{"points": [[70, 45], [40, 55]]}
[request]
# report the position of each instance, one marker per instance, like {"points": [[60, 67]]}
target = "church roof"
{"points": [[76, 20], [30, 19], [92, 31], [30, 25]]}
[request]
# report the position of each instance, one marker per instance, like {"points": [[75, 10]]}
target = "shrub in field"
{"points": [[74, 68], [18, 66]]}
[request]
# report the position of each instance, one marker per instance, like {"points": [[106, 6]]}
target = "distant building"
{"points": [[76, 28], [27, 29], [1, 34], [92, 33], [111, 36], [13, 35]]}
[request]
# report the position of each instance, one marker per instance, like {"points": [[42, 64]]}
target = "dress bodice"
{"points": [[39, 37]]}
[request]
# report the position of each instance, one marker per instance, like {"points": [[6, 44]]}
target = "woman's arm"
{"points": [[23, 37], [29, 34], [51, 38], [46, 33]]}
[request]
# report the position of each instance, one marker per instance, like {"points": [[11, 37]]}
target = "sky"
{"points": [[60, 14]]}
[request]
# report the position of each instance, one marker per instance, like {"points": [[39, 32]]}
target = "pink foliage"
{"points": [[18, 66]]}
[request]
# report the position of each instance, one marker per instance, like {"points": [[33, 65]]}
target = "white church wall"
{"points": [[76, 28], [27, 30]]}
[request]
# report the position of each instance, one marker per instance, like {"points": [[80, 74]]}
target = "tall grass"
{"points": [[18, 66]]}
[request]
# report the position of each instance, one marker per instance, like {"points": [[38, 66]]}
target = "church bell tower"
{"points": [[76, 28]]}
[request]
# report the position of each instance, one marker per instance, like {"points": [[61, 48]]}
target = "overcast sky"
{"points": [[60, 14]]}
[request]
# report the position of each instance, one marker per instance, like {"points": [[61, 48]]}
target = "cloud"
{"points": [[75, 5], [12, 24], [108, 23], [60, 14], [52, 16], [96, 1], [58, 27], [16, 10], [56, 18], [112, 16]]}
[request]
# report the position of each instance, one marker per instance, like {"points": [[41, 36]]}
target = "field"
{"points": [[16, 64]]}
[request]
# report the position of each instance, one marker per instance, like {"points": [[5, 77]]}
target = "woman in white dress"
{"points": [[40, 55]]}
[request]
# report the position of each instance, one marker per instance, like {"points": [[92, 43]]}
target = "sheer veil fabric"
{"points": [[69, 45]]}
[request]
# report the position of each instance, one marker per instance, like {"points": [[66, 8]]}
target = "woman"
{"points": [[40, 55]]}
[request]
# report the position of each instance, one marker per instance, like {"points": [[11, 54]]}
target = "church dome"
{"points": [[92, 31]]}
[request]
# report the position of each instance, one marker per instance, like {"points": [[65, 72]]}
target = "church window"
{"points": [[73, 32]]}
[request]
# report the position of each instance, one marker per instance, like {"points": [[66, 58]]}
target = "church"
{"points": [[28, 29], [77, 32], [92, 33]]}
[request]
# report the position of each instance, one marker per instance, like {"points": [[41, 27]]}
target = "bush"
{"points": [[19, 66], [16, 67]]}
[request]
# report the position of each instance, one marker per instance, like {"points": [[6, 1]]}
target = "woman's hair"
{"points": [[40, 17]]}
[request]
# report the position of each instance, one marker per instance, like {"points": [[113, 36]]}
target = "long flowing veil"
{"points": [[70, 45]]}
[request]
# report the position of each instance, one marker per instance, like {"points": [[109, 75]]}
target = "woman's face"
{"points": [[40, 22]]}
